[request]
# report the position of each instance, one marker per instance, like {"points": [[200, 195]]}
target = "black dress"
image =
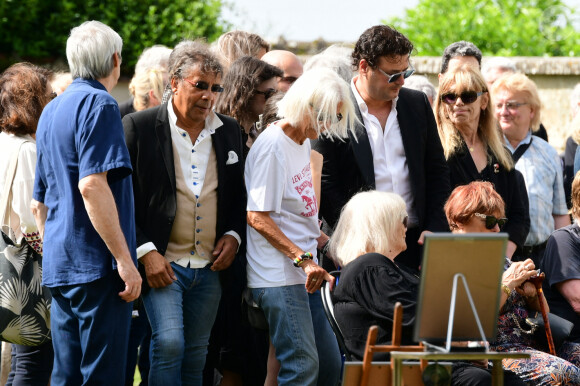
{"points": [[509, 184], [365, 296]]}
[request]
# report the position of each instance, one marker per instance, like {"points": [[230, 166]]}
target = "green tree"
{"points": [[498, 27], [36, 30]]}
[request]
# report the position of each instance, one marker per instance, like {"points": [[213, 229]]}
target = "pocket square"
{"points": [[232, 158]]}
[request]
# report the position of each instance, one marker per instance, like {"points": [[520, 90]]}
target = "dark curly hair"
{"points": [[377, 41], [240, 83], [24, 91]]}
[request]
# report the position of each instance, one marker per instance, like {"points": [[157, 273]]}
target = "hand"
{"points": [[421, 240], [315, 274], [224, 252], [129, 274], [518, 273], [158, 270], [528, 289]]}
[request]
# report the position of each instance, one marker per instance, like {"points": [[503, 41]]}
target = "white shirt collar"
{"points": [[362, 105]]}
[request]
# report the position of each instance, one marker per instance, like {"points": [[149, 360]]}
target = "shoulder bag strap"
{"points": [[4, 202]]}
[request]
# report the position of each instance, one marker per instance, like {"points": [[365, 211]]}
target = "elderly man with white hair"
{"points": [[83, 205]]}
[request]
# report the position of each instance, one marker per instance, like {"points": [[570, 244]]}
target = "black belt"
{"points": [[527, 250]]}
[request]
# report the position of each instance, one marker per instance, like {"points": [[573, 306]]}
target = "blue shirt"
{"points": [[79, 134], [540, 165]]}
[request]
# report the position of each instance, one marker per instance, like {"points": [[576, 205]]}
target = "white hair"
{"points": [[421, 83], [368, 223], [339, 64], [497, 62], [90, 48], [316, 96], [153, 57]]}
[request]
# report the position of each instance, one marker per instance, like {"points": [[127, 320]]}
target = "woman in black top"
{"points": [[474, 146]]}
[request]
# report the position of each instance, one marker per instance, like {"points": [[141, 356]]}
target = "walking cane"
{"points": [[537, 282]]}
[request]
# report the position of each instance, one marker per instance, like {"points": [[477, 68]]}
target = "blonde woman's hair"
{"points": [[233, 45], [368, 223], [575, 197], [521, 83], [144, 81], [467, 78], [316, 97]]}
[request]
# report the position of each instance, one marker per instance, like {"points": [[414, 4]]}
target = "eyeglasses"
{"points": [[490, 221], [204, 86], [467, 97], [288, 79], [405, 221], [394, 77], [268, 93], [510, 106]]}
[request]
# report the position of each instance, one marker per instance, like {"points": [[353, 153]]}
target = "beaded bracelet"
{"points": [[300, 259]]}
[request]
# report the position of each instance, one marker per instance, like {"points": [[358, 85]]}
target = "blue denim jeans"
{"points": [[181, 316], [304, 342], [90, 330]]}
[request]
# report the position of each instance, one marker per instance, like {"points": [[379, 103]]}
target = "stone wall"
{"points": [[555, 78]]}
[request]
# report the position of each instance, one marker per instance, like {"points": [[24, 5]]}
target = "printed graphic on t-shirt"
{"points": [[302, 182]]}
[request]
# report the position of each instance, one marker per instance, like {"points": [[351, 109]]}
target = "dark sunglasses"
{"points": [[405, 221], [204, 86], [394, 77], [467, 97], [268, 93], [490, 221]]}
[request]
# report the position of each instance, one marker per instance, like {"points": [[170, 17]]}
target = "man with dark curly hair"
{"points": [[396, 149]]}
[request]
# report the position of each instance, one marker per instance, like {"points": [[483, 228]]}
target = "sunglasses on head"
{"points": [[204, 86], [268, 93], [467, 97], [394, 77], [490, 221]]}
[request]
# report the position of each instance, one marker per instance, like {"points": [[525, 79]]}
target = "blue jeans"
{"points": [[304, 342], [90, 331], [181, 317]]}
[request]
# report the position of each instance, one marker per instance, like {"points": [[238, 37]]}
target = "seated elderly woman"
{"points": [[369, 235], [282, 231], [474, 147], [477, 207]]}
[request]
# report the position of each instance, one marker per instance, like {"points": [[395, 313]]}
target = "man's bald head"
{"points": [[289, 63]]}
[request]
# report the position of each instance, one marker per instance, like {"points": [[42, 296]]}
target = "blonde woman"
{"points": [[474, 146]]}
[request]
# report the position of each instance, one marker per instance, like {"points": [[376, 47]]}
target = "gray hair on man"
{"points": [[368, 223], [90, 49], [339, 64], [153, 57], [190, 54], [319, 95], [493, 67], [421, 83], [461, 48]]}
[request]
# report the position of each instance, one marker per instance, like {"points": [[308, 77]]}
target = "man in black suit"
{"points": [[189, 208], [396, 148]]}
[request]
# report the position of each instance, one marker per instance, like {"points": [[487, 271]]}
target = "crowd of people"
{"points": [[235, 172]]}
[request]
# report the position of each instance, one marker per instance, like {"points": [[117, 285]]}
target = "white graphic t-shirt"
{"points": [[279, 181]]}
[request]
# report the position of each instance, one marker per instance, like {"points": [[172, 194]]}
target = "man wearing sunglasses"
{"points": [[190, 210], [396, 149]]}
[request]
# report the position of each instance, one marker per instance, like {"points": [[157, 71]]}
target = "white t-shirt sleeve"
{"points": [[266, 185]]}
